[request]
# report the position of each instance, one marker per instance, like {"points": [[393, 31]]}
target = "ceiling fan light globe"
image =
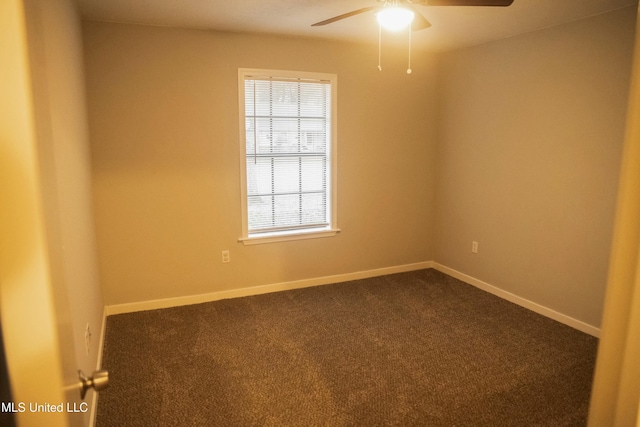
{"points": [[395, 18]]}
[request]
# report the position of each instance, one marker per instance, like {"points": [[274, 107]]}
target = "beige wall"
{"points": [[515, 144], [57, 78], [163, 115], [529, 145], [59, 94]]}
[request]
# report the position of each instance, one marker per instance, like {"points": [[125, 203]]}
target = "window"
{"points": [[288, 151]]}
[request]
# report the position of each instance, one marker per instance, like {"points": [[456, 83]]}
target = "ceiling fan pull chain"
{"points": [[409, 69], [379, 46]]}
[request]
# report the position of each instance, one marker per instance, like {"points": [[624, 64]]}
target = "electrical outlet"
{"points": [[87, 339], [474, 247], [226, 257]]}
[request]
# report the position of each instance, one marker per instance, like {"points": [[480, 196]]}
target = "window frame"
{"points": [[331, 229]]}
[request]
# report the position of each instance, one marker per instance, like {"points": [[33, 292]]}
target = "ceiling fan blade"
{"points": [[502, 3], [345, 15], [419, 21]]}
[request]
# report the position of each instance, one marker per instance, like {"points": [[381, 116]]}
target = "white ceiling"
{"points": [[452, 27]]}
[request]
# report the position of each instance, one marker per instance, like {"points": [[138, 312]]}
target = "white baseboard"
{"points": [[264, 289], [535, 307], [305, 283]]}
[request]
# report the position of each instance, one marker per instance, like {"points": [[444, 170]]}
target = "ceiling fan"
{"points": [[408, 9], [396, 15]]}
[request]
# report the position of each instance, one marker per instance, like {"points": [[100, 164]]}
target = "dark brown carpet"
{"points": [[410, 349]]}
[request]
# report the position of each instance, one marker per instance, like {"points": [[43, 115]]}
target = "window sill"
{"points": [[288, 236]]}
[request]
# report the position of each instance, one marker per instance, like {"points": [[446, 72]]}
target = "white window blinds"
{"points": [[287, 153]]}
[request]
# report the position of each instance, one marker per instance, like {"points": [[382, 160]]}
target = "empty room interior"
{"points": [[481, 180]]}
